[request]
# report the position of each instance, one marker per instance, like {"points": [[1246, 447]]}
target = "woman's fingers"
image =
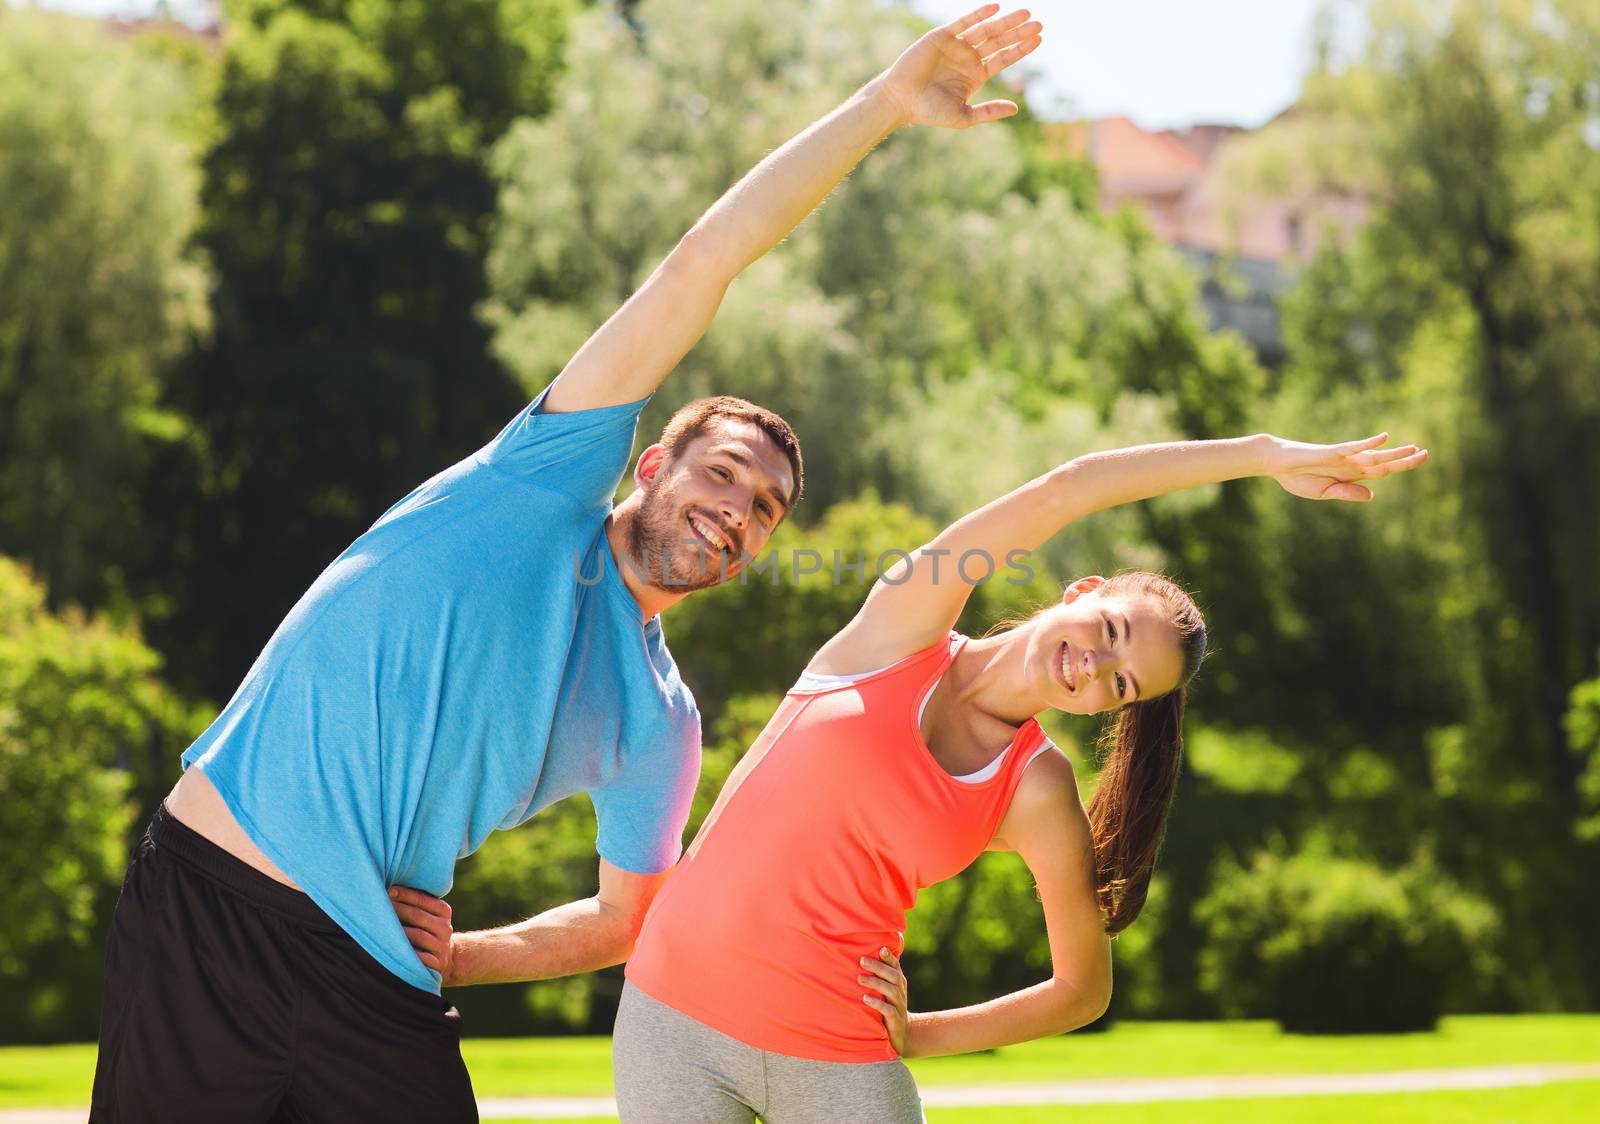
{"points": [[1345, 490], [888, 984], [881, 970], [1382, 456], [1400, 464], [890, 988], [1362, 445]]}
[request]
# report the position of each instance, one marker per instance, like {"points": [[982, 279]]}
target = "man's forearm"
{"points": [[580, 936], [777, 194]]}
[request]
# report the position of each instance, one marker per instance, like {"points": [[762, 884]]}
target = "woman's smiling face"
{"points": [[1098, 650]]}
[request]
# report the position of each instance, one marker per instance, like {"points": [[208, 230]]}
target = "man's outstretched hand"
{"points": [[936, 75], [426, 920]]}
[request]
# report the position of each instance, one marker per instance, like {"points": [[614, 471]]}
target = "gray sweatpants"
{"points": [[671, 1069]]}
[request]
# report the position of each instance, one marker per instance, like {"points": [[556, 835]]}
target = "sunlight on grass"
{"points": [[34, 1076]]}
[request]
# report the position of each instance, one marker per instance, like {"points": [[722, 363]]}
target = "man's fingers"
{"points": [[421, 939], [998, 61], [422, 919], [957, 26], [990, 111], [1016, 35], [982, 35], [416, 898]]}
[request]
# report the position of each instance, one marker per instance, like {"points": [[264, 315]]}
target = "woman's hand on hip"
{"points": [[884, 976]]}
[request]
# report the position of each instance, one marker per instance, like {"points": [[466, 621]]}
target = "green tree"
{"points": [[346, 211], [89, 742], [1463, 314], [98, 190], [943, 254]]}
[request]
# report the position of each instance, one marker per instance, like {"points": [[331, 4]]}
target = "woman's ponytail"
{"points": [[1142, 755]]}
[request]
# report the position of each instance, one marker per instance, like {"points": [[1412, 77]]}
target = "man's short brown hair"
{"points": [[696, 417]]}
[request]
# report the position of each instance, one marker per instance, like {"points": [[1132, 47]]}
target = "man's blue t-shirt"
{"points": [[472, 658]]}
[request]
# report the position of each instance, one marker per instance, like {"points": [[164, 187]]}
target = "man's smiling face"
{"points": [[710, 507]]}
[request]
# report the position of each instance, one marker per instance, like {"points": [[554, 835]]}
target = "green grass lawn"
{"points": [[503, 1067], [1549, 1104], [581, 1066]]}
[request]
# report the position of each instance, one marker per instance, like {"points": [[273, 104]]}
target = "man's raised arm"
{"points": [[634, 350]]}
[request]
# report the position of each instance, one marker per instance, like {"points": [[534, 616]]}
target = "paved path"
{"points": [[1092, 1091]]}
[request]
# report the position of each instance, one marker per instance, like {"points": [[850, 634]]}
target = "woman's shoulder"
{"points": [[853, 657], [1046, 802]]}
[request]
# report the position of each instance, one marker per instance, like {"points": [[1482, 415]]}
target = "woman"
{"points": [[765, 977]]}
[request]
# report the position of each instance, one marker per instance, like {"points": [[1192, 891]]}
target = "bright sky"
{"points": [[1161, 62]]}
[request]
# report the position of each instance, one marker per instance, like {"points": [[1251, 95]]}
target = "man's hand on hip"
{"points": [[427, 924]]}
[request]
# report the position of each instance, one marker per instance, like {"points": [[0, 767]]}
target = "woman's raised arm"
{"points": [[917, 601]]}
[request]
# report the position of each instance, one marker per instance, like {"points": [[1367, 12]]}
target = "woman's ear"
{"points": [[650, 462], [1083, 585]]}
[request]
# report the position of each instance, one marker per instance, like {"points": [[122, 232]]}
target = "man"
{"points": [[491, 645]]}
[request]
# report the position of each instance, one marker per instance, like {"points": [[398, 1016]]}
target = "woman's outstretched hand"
{"points": [[936, 75], [1335, 472]]}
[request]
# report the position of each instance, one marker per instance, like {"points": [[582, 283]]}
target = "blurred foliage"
{"points": [[346, 207], [945, 257], [89, 741], [1583, 728], [1465, 314], [407, 217], [1340, 945], [97, 289]]}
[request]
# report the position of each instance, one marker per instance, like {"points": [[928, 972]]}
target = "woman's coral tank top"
{"points": [[812, 862]]}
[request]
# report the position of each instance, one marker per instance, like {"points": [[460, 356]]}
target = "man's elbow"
{"points": [[624, 931], [704, 254]]}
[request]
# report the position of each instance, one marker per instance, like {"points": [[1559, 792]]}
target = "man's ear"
{"points": [[1084, 585], [649, 465]]}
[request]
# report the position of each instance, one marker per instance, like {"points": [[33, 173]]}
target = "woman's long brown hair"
{"points": [[1142, 755]]}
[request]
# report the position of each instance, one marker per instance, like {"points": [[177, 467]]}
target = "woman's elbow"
{"points": [[1083, 1003]]}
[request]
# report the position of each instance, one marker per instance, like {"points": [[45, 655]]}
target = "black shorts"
{"points": [[231, 997]]}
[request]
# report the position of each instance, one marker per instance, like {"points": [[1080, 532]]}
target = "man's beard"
{"points": [[668, 555]]}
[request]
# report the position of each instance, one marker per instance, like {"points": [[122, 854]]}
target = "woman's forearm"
{"points": [[913, 605], [1096, 481], [1049, 1008], [1028, 516], [760, 210]]}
